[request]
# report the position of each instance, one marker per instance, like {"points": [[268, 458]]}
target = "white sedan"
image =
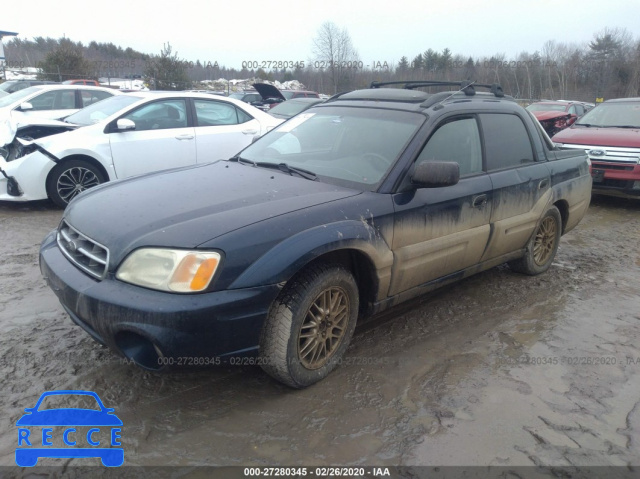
{"points": [[53, 101], [147, 131]]}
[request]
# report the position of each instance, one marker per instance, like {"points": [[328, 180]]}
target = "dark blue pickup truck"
{"points": [[369, 199]]}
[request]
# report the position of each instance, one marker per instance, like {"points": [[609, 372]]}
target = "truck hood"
{"points": [[580, 135], [187, 207]]}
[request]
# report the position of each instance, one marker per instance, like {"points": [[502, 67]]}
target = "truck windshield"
{"points": [[353, 147]]}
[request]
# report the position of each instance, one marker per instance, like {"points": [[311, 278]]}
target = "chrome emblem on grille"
{"points": [[72, 246], [597, 152]]}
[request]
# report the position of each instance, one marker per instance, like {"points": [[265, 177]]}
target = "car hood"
{"points": [[268, 91], [187, 207], [549, 115], [15, 121], [581, 135]]}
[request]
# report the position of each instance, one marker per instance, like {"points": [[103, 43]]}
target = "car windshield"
{"points": [[237, 96], [546, 107], [102, 109], [625, 114], [287, 94], [353, 147], [17, 96]]}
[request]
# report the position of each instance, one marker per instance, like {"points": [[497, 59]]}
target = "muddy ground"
{"points": [[500, 369]]}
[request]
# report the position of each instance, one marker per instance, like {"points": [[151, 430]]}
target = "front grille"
{"points": [[608, 153], [87, 254]]}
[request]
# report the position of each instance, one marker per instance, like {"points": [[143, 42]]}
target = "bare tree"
{"points": [[334, 52]]}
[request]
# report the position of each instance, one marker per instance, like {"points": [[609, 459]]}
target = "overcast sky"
{"points": [[231, 32]]}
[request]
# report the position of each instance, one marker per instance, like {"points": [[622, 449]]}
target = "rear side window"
{"points": [[458, 141], [507, 143], [214, 113], [92, 96]]}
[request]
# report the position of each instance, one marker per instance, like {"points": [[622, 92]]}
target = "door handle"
{"points": [[479, 201], [184, 137], [249, 132], [543, 184]]}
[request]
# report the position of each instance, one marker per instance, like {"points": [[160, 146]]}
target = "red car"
{"points": [[610, 134], [81, 82], [555, 116]]}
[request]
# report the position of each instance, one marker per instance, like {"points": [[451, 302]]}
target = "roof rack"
{"points": [[466, 86]]}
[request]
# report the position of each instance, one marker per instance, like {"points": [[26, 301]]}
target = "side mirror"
{"points": [[26, 106], [435, 174], [124, 124]]}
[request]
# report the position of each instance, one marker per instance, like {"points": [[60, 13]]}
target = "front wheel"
{"points": [[543, 245], [70, 178], [310, 325]]}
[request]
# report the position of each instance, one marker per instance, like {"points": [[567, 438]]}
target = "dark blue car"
{"points": [[366, 200], [72, 417]]}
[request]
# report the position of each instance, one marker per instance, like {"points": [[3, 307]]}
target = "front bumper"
{"points": [[155, 328], [616, 179], [31, 173]]}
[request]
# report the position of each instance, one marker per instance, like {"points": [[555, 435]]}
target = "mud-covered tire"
{"points": [[543, 245], [70, 178], [310, 325]]}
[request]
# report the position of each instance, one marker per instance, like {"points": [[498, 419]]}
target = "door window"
{"points": [[458, 141], [90, 96], [54, 100], [160, 115]]}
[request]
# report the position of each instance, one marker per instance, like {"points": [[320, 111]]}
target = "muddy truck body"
{"points": [[369, 199]]}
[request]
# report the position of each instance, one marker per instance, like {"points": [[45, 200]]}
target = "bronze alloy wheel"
{"points": [[324, 327], [546, 238]]}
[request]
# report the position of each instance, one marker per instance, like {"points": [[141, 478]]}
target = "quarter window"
{"points": [[507, 143], [457, 141]]}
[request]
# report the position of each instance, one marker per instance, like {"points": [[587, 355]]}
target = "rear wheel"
{"points": [[70, 178], [543, 245], [310, 325]]}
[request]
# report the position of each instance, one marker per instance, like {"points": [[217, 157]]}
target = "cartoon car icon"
{"points": [[110, 456]]}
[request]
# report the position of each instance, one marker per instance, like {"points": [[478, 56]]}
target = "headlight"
{"points": [[170, 270]]}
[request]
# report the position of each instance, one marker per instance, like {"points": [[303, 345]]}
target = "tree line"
{"points": [[606, 67]]}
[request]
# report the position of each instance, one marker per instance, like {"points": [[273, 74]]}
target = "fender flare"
{"points": [[288, 257]]}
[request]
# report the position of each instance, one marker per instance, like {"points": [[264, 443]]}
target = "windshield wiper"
{"points": [[243, 161], [588, 125], [623, 126], [309, 175]]}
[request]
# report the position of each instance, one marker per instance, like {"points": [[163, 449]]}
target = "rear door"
{"points": [[162, 139], [521, 184], [438, 231], [222, 129]]}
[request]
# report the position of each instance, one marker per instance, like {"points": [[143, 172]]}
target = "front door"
{"points": [[438, 231], [162, 139]]}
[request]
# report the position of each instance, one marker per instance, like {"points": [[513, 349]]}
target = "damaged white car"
{"points": [[128, 135]]}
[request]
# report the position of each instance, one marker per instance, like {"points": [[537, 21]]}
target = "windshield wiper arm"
{"points": [[309, 175], [242, 161], [624, 126]]}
